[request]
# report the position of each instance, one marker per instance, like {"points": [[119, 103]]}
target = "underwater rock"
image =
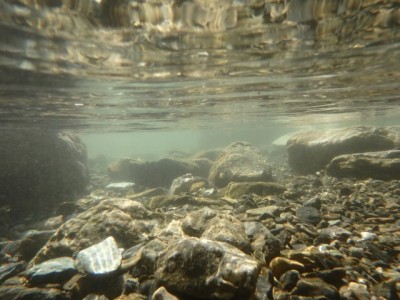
{"points": [[183, 184], [23, 292], [308, 214], [100, 259], [163, 294], [238, 189], [195, 223], [228, 229], [311, 151], [159, 173], [39, 169], [383, 165], [120, 186], [314, 287], [8, 270], [271, 211], [280, 265], [240, 162], [55, 270], [204, 269], [129, 222]]}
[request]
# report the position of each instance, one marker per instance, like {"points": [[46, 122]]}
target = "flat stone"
{"points": [[8, 270], [271, 211], [100, 259], [205, 269], [308, 214], [55, 270], [120, 185], [314, 287]]}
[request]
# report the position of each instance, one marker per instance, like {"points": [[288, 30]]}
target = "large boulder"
{"points": [[127, 221], [40, 168], [239, 162], [311, 151], [204, 269], [159, 173], [378, 165]]}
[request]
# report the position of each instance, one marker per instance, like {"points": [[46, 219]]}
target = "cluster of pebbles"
{"points": [[251, 230]]}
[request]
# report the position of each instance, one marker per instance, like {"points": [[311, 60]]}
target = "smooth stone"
{"points": [[120, 185], [308, 214], [56, 270], [183, 184], [100, 259], [280, 265], [289, 280], [23, 292], [205, 269], [336, 232]]}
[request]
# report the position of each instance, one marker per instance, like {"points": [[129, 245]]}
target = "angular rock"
{"points": [[313, 287], [238, 189], [129, 222], [195, 223], [23, 292], [40, 168], [159, 173], [8, 270], [163, 294], [308, 214], [100, 259], [383, 165], [204, 269], [240, 162], [264, 212], [183, 184], [228, 229], [311, 151], [55, 270]]}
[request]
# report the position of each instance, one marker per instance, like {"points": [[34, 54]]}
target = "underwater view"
{"points": [[199, 149]]}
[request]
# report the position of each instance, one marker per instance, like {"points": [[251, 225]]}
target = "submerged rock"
{"points": [[56, 270], [238, 189], [311, 151], [129, 222], [100, 259], [239, 162], [378, 165], [159, 173], [204, 269], [40, 168]]}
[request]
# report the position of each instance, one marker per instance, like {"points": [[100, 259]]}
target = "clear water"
{"points": [[145, 78]]}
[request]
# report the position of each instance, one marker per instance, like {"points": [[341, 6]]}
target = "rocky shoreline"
{"points": [[306, 221]]}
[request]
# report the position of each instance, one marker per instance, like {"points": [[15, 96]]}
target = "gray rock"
{"points": [[308, 214], [55, 270], [120, 186], [159, 173], [226, 228], [100, 259], [204, 269], [129, 222], [336, 232], [195, 223], [264, 212], [311, 151], [40, 168], [377, 165], [239, 162]]}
